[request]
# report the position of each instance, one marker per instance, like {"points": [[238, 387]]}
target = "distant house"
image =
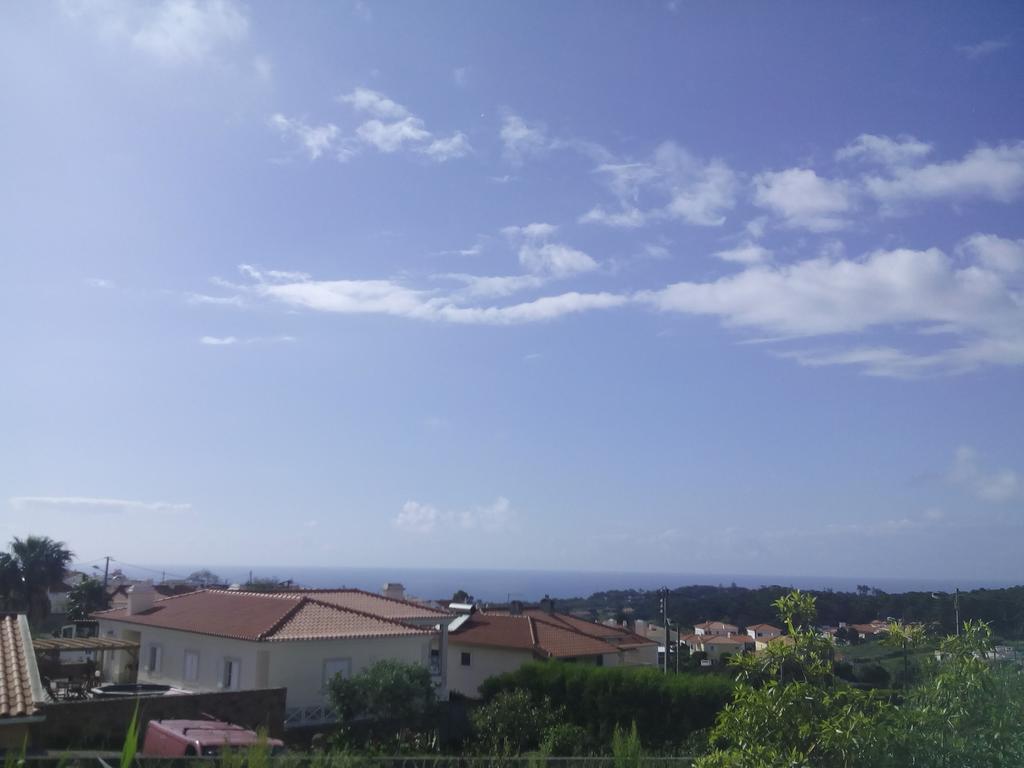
{"points": [[716, 628], [484, 644], [715, 646], [762, 633], [869, 631], [21, 689], [209, 640]]}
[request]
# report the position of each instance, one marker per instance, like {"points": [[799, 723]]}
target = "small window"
{"points": [[154, 658], [599, 661], [466, 659], [333, 667], [191, 666], [230, 674]]}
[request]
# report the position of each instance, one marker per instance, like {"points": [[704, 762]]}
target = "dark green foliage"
{"points": [[873, 674], [565, 740], [513, 722], [84, 598], [34, 565], [666, 708], [386, 692]]}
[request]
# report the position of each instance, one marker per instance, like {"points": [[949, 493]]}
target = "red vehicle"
{"points": [[194, 738]]}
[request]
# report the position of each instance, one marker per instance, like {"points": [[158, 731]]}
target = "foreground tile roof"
{"points": [[378, 605], [20, 690], [255, 616]]}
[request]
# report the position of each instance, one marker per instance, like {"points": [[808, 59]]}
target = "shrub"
{"points": [[666, 708], [564, 740], [512, 723]]}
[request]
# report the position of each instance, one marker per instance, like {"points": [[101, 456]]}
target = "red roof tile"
{"points": [[17, 669], [259, 617], [369, 602], [544, 634]]}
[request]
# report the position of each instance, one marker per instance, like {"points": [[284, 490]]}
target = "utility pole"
{"points": [[664, 618], [106, 572], [956, 609]]}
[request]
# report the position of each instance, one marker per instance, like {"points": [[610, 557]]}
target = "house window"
{"points": [[334, 667], [230, 674], [154, 657], [599, 661], [191, 666], [435, 661], [466, 659]]}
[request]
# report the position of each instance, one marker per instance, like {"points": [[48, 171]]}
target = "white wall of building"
{"points": [[298, 665], [484, 662]]}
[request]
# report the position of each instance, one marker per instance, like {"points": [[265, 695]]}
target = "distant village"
{"points": [[191, 648]]}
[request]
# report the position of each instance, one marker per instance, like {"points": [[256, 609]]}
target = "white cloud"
{"points": [[202, 298], [374, 103], [461, 76], [627, 218], [996, 253], [903, 150], [314, 139], [417, 518], [455, 146], [984, 48], [521, 139], [992, 173], [390, 137], [218, 341], [497, 517], [746, 252], [922, 291], [77, 504], [502, 285], [541, 257], [803, 199], [99, 282], [174, 32], [697, 192], [995, 486]]}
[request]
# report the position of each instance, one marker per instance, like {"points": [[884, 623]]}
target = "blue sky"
{"points": [[707, 287]]}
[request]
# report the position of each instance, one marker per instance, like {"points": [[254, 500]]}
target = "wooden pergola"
{"points": [[44, 644]]}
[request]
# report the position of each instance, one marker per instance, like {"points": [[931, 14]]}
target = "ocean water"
{"points": [[502, 585]]}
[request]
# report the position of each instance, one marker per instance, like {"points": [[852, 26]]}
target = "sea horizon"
{"points": [[495, 584]]}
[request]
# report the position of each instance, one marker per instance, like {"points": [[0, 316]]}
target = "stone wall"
{"points": [[102, 723]]}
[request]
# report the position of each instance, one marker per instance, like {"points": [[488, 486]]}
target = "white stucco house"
{"points": [[210, 640], [716, 628], [481, 645], [761, 634]]}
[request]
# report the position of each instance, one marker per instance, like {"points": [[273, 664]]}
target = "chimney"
{"points": [[394, 590], [140, 597], [516, 607], [548, 604]]}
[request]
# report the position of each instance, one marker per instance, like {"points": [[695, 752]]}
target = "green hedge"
{"points": [[665, 708]]}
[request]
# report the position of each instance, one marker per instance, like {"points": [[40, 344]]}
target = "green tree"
{"points": [[41, 563], [10, 581], [788, 709], [84, 598], [968, 714], [906, 637], [513, 722], [385, 697], [203, 577]]}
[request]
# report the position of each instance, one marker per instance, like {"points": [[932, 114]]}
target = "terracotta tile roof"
{"points": [[618, 636], [259, 617], [315, 620], [20, 689], [719, 625], [543, 634], [378, 605], [768, 627], [712, 639]]}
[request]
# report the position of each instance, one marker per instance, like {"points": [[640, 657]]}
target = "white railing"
{"points": [[317, 714]]}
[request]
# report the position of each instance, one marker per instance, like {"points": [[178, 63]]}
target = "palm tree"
{"points": [[10, 581], [41, 562]]}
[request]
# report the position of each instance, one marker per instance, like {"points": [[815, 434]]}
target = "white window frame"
{"points": [[154, 658], [235, 679], [346, 673], [184, 665]]}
